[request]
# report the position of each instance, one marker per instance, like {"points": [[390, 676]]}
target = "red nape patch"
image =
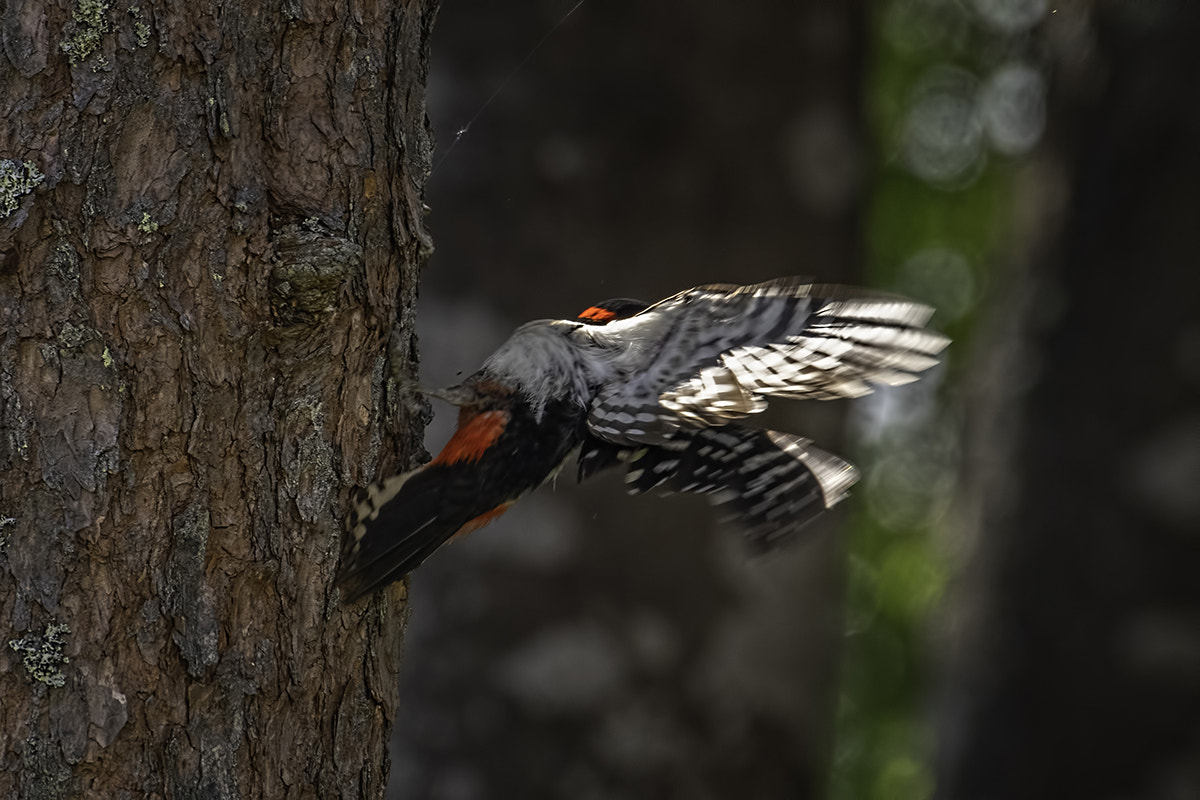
{"points": [[484, 519], [596, 314], [475, 434]]}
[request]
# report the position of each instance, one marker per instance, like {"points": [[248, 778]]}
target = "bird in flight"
{"points": [[661, 390]]}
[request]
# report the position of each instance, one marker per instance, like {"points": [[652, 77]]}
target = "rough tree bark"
{"points": [[210, 225]]}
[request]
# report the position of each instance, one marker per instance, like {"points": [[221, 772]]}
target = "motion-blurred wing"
{"points": [[772, 484], [711, 354]]}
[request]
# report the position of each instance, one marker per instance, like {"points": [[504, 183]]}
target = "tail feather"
{"points": [[397, 523], [495, 457]]}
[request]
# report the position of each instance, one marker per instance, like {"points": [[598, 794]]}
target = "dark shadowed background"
{"points": [[1009, 606]]}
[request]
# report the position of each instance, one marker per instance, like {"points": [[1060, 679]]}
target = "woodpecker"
{"points": [[659, 389]]}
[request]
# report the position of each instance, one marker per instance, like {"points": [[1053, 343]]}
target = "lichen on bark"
{"points": [[42, 655], [16, 179], [90, 23]]}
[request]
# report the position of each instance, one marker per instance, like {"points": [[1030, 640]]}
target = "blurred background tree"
{"points": [[1076, 626], [1020, 607]]}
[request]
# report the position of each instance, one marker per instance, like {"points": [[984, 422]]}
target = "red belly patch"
{"points": [[483, 519], [475, 434]]}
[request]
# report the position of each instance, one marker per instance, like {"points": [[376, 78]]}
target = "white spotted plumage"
{"points": [[711, 354]]}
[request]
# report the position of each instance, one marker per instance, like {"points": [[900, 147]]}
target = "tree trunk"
{"points": [[210, 226]]}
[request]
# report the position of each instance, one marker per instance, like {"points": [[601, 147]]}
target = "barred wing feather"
{"points": [[712, 354]]}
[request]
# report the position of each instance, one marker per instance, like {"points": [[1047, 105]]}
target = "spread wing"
{"points": [[771, 484], [715, 353]]}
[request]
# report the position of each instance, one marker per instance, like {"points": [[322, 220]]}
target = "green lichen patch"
{"points": [[73, 335], [63, 264], [91, 23], [43, 655], [141, 28], [16, 179], [147, 225]]}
